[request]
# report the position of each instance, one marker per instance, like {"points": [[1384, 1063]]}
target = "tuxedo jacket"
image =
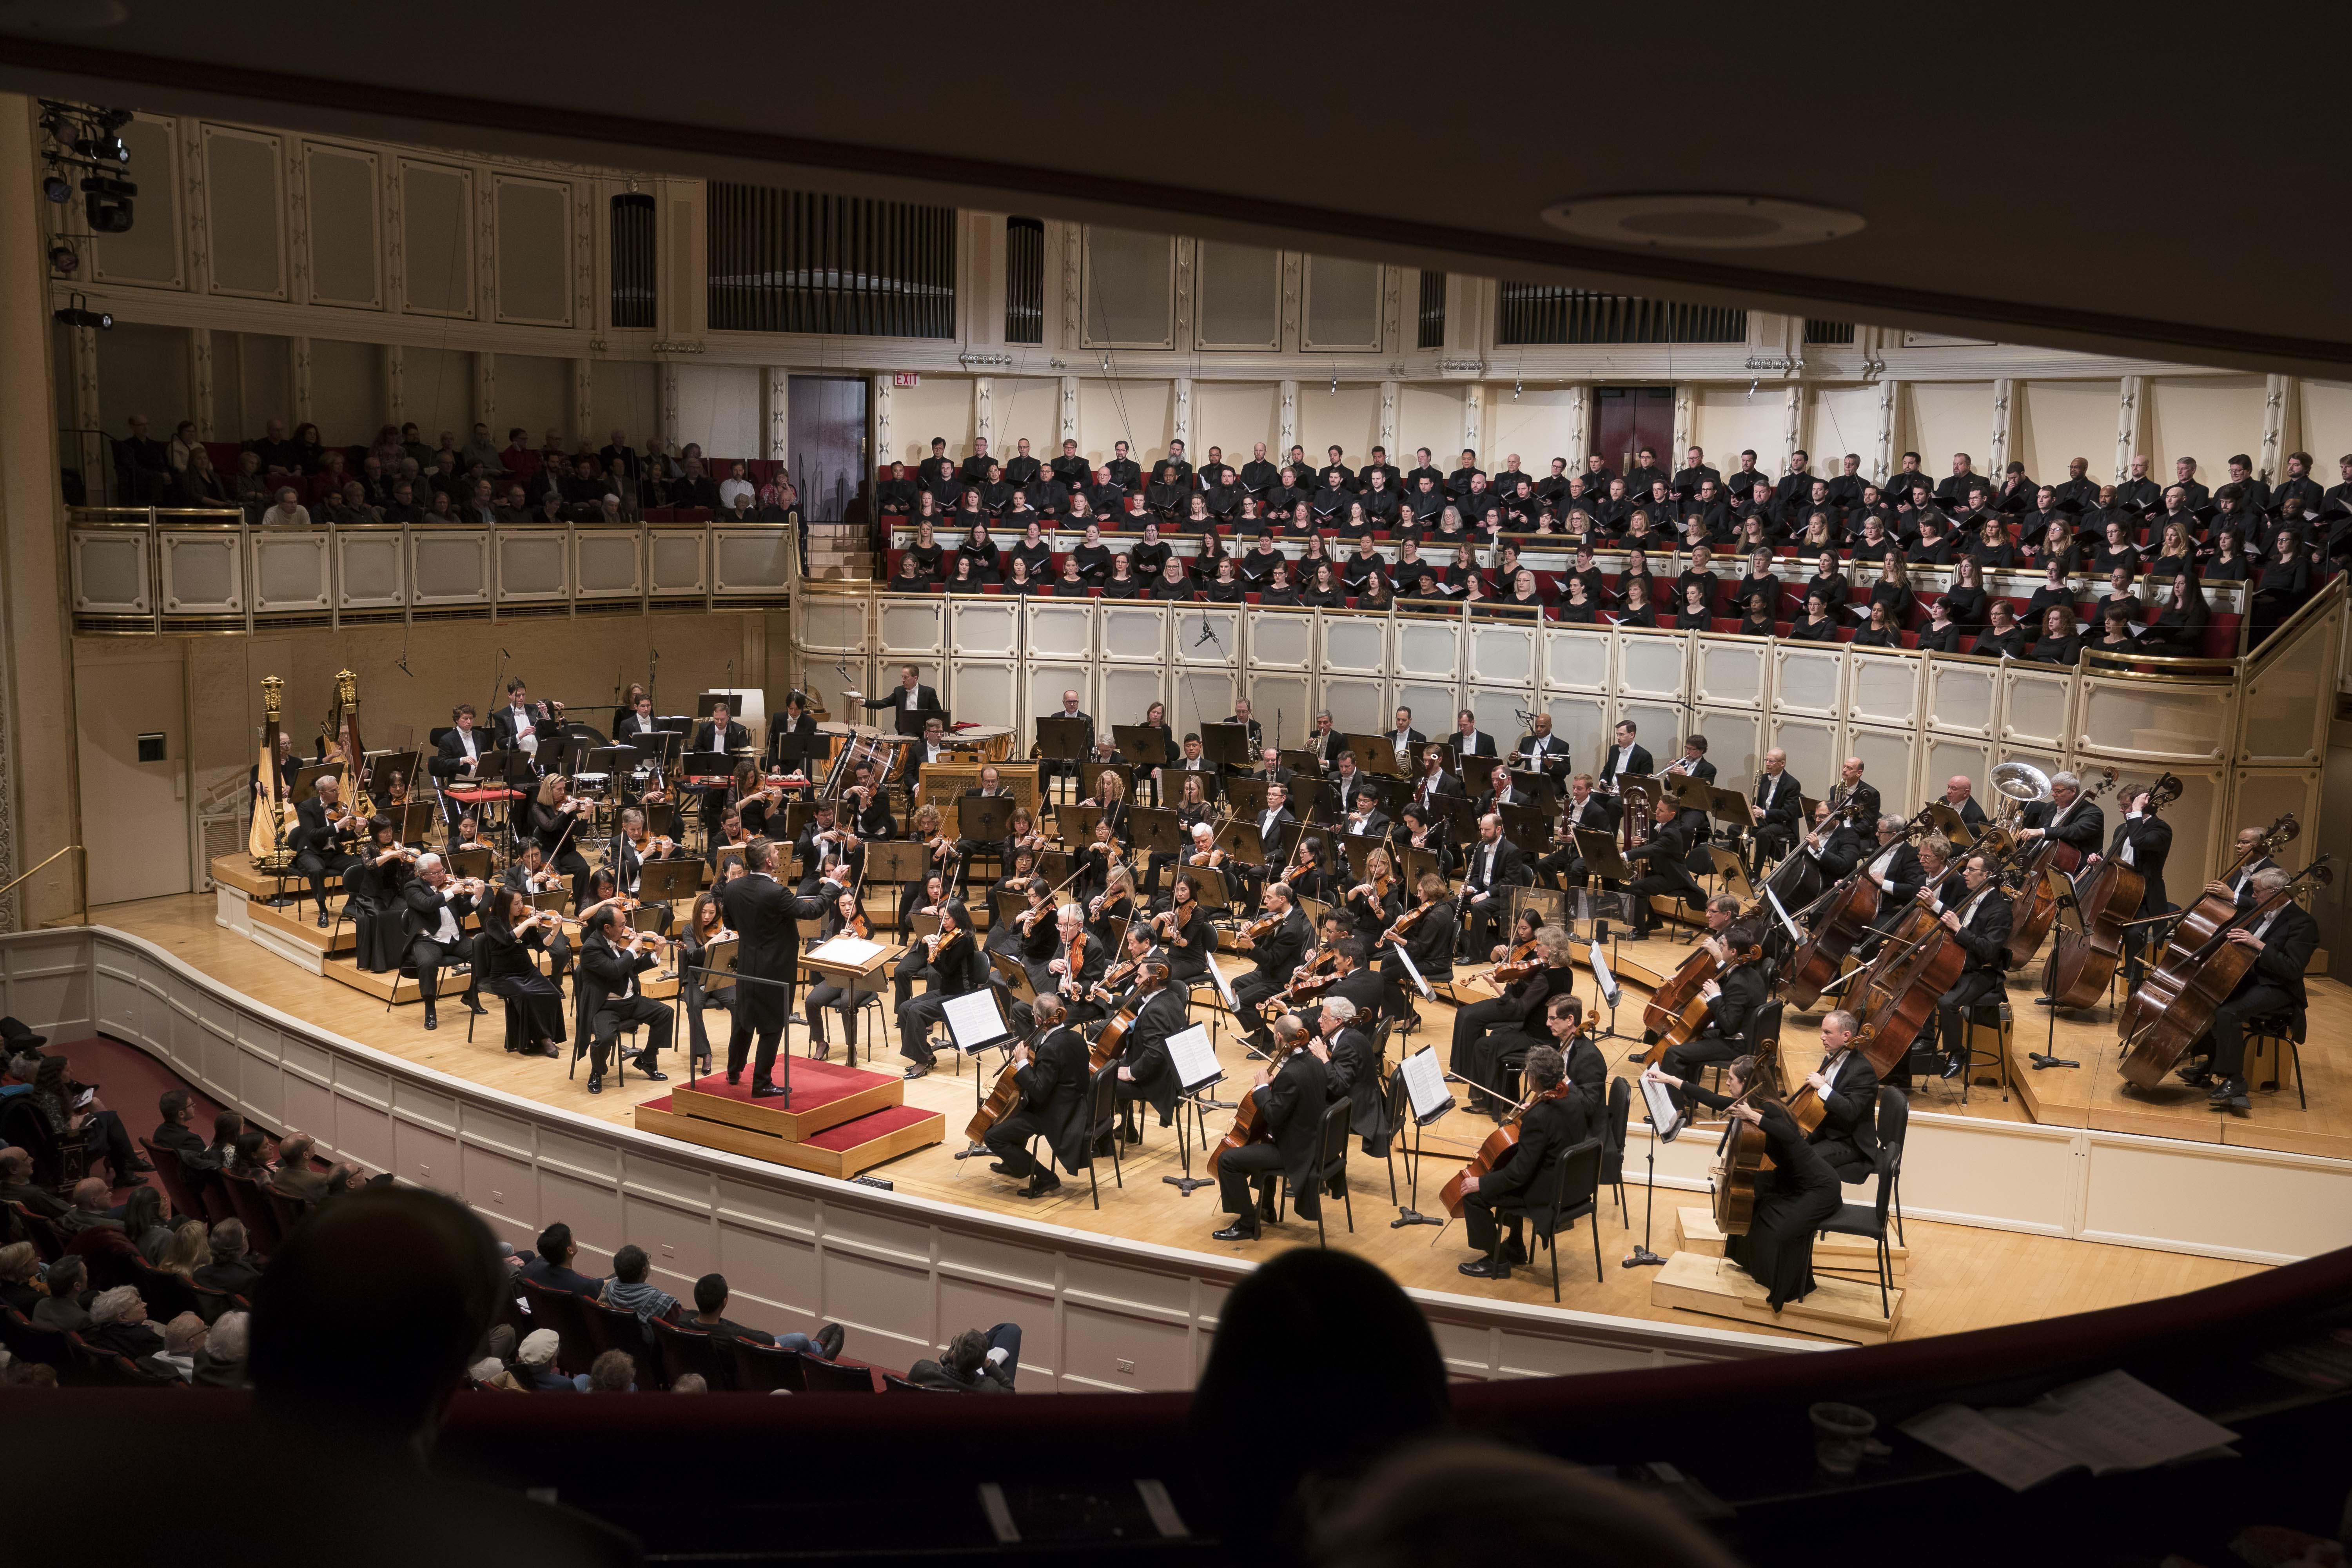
{"points": [[1638, 762]]}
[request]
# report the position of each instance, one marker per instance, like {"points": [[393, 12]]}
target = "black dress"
{"points": [[376, 914], [1793, 1200], [511, 969]]}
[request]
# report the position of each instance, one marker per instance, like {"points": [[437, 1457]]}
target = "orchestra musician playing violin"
{"points": [[559, 822], [1792, 1199], [1491, 1037], [1497, 1205], [948, 955], [1346, 975], [868, 804], [1054, 1073], [1425, 934], [1373, 903], [372, 897], [1732, 1001], [506, 956], [841, 915], [1277, 940], [2283, 943], [1073, 965], [825, 842], [438, 906], [1182, 931], [1291, 1092], [1847, 1087], [633, 847], [611, 999]]}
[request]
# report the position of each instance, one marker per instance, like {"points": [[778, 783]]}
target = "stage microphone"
{"points": [[1208, 633]]}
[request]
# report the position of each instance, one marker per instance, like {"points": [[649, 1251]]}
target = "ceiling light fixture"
{"points": [[1700, 221]]}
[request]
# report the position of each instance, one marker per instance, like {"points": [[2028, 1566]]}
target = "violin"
{"points": [[859, 926], [1115, 979], [1404, 924], [1259, 930], [1517, 965]]}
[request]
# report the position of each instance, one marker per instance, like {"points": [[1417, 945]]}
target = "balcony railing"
{"points": [[151, 571]]}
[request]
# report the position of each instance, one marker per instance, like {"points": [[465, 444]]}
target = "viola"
{"points": [[1497, 1148]]}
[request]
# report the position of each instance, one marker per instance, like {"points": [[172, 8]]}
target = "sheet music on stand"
{"points": [[1225, 990], [1424, 1086], [973, 1021], [1196, 1063], [1602, 979], [1666, 1117], [1778, 909], [1412, 969]]}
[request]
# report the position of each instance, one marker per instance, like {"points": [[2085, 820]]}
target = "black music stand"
{"points": [[1374, 754], [1156, 829], [1065, 740], [669, 881], [1228, 746], [984, 818], [1239, 839], [710, 699], [415, 820], [910, 722], [1245, 794], [1077, 821], [1140, 746], [1525, 825]]}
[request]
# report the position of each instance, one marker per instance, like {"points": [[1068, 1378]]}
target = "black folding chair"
{"points": [[1330, 1167], [1577, 1194], [1870, 1219]]}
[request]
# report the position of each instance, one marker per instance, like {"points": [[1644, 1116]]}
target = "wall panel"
{"points": [[1539, 423], [1130, 289], [627, 397], [1838, 420], [719, 405], [535, 391], [1724, 418], [346, 227], [437, 239], [1240, 297], [1236, 416], [347, 391], [939, 408], [2325, 427], [1429, 416], [534, 250], [437, 391], [2058, 421], [2208, 418], [1141, 413], [1342, 307], [142, 370], [1026, 408], [244, 197], [1349, 419], [1941, 417]]}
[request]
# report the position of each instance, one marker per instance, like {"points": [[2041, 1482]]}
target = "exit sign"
{"points": [[906, 378]]}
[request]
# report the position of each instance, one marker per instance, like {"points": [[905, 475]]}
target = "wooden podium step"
{"points": [[1847, 1254], [824, 1094], [1838, 1309], [841, 1151], [298, 924]]}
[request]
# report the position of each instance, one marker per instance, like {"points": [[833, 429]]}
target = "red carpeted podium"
{"points": [[838, 1120]]}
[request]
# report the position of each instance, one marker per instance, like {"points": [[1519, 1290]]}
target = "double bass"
{"points": [[2172, 1008], [1676, 1009], [1897, 994], [2034, 905], [1846, 912], [2083, 962], [1497, 1146]]}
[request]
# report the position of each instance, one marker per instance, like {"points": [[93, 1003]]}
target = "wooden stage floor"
{"points": [[1958, 1278]]}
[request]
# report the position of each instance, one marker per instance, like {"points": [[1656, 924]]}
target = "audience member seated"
{"points": [[552, 1264], [66, 1305], [20, 1269], [630, 1290], [118, 1323], [17, 1185], [231, 1269], [710, 1317], [973, 1362], [88, 1211]]}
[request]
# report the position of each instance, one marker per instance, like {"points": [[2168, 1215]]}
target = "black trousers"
{"points": [[316, 867], [2229, 1036], [429, 956], [1258, 1165], [696, 999], [1487, 1223], [840, 1000], [1250, 991], [1009, 1142], [1472, 1055], [1482, 923], [915, 1017], [1769, 841], [1850, 1163], [1563, 866], [1673, 882], [607, 1023], [1972, 987], [1695, 1054]]}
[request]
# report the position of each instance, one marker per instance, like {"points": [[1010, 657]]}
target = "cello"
{"points": [[1497, 1146], [1251, 1125], [2172, 1008], [1898, 996], [1676, 1009], [2083, 962]]}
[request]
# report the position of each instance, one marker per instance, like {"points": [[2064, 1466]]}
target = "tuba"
{"points": [[2019, 784]]}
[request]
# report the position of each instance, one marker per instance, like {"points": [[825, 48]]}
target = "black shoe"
{"points": [[829, 1341], [595, 1083], [650, 1073], [2045, 1001], [1486, 1268], [2226, 1091], [322, 920], [1001, 1168], [474, 1006], [1955, 1067], [921, 1070], [1235, 1232], [432, 1019], [766, 1091], [1040, 1185], [1130, 1134], [735, 1075], [819, 1051], [2197, 1073], [544, 1048]]}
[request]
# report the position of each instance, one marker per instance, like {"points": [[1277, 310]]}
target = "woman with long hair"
{"points": [[507, 951], [841, 914], [1792, 1199], [706, 924]]}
